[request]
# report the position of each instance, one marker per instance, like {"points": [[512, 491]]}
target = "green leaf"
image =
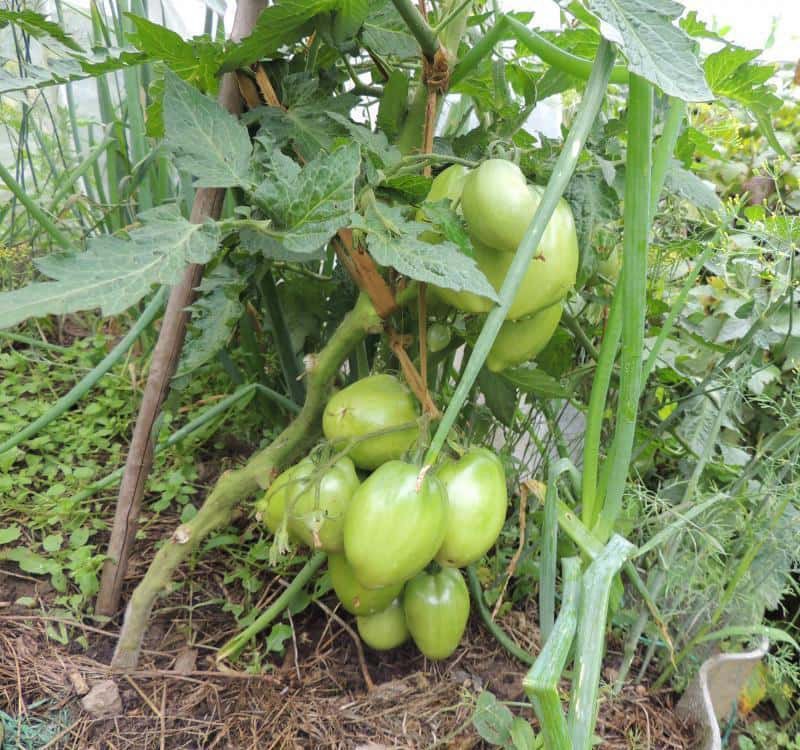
{"points": [[30, 562], [393, 104], [656, 49], [350, 17], [689, 186], [208, 142], [114, 273], [195, 61], [375, 144], [732, 74], [307, 206], [37, 26], [534, 381], [277, 25], [214, 315], [522, 736], [10, 534], [52, 542], [386, 32], [500, 396], [449, 224], [492, 720], [305, 122], [394, 241], [413, 186], [279, 634]]}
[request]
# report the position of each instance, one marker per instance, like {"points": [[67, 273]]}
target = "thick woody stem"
{"points": [[234, 486], [207, 204]]}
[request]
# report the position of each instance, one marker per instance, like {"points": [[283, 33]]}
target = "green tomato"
{"points": [[384, 630], [447, 185], [437, 610], [394, 525], [611, 265], [438, 337], [497, 204], [476, 506], [356, 599], [521, 340], [315, 506], [378, 402]]}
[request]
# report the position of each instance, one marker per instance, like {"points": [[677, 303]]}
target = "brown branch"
{"points": [[362, 269], [207, 204], [248, 90], [397, 343], [265, 85]]}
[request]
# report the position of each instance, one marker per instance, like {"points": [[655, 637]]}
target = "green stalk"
{"points": [[662, 153], [283, 341], [35, 210], [634, 294], [593, 613], [562, 172], [541, 682], [418, 26], [235, 645], [549, 555], [21, 339], [548, 52], [499, 634], [92, 377]]}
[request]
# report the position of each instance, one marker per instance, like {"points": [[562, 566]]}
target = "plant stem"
{"points": [[550, 53], [662, 154], [79, 390], [418, 27], [634, 294], [234, 486], [500, 635], [562, 172], [35, 210], [234, 646]]}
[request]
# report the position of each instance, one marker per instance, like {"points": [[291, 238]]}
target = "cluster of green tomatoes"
{"points": [[395, 534], [498, 204]]}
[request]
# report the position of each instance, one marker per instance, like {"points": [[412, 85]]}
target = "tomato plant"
{"points": [[355, 598]]}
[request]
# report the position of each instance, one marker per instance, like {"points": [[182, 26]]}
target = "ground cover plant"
{"points": [[307, 331]]}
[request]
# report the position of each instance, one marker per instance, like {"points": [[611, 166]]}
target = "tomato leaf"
{"points": [[207, 141], [114, 273], [306, 206], [656, 49], [386, 32], [534, 381], [492, 720], [394, 241], [500, 395]]}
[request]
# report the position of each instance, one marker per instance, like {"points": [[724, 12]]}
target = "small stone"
{"points": [[78, 683], [103, 700]]}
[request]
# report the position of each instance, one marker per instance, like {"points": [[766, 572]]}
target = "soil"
{"points": [[316, 695]]}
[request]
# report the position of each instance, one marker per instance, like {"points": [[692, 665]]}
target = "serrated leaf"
{"points": [[277, 25], [350, 16], [732, 74], [413, 186], [375, 144], [208, 142], [693, 26], [394, 241], [500, 396], [386, 33], [449, 224], [214, 314], [393, 104], [114, 273], [195, 61], [305, 121], [534, 381], [279, 634], [38, 26], [656, 49], [689, 186], [307, 207]]}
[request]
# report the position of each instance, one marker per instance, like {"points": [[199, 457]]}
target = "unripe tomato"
{"points": [[371, 404], [449, 183], [476, 506], [438, 337], [393, 527], [437, 610], [497, 204], [356, 599], [521, 340], [384, 630], [315, 506]]}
